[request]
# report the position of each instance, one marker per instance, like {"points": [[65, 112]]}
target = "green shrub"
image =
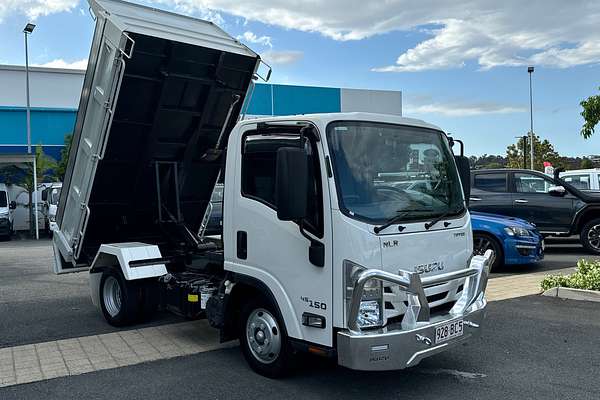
{"points": [[586, 276]]}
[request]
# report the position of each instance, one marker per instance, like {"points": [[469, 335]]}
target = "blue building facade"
{"points": [[54, 102]]}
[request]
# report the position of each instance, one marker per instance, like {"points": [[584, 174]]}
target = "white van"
{"points": [[583, 179], [6, 212]]}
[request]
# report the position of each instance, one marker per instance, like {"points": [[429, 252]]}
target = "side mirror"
{"points": [[464, 171], [12, 205], [557, 191], [45, 195], [291, 183]]}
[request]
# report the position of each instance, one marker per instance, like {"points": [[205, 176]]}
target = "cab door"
{"points": [[272, 251], [532, 202]]}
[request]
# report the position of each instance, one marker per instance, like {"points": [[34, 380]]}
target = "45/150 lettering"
{"points": [[314, 304]]}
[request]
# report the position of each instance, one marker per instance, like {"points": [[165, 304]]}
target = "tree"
{"points": [[586, 163], [590, 114], [542, 151], [487, 161], [45, 168], [61, 167]]}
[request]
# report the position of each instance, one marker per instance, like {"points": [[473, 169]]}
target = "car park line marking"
{"points": [[42, 361], [453, 372], [59, 358]]}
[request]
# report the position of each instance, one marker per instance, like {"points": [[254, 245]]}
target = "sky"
{"points": [[460, 65]]}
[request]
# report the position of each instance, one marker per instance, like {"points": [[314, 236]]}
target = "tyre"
{"points": [[263, 340], [483, 242], [121, 301], [590, 236]]}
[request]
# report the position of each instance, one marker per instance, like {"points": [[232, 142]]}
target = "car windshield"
{"points": [[382, 170], [3, 199]]}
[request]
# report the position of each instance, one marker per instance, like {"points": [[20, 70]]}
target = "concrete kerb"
{"points": [[573, 294]]}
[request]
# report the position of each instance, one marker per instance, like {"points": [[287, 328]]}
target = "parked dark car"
{"points": [[554, 206]]}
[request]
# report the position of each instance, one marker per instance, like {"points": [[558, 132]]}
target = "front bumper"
{"points": [[405, 344], [520, 251]]}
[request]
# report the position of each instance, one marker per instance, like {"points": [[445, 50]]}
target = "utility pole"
{"points": [[530, 71]]}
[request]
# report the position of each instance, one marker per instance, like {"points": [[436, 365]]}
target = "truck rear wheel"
{"points": [[590, 236], [120, 300], [264, 341]]}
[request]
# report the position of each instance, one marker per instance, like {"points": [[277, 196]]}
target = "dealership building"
{"points": [[54, 98]]}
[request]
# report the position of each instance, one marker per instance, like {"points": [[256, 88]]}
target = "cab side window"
{"points": [[530, 183], [493, 182], [259, 160]]}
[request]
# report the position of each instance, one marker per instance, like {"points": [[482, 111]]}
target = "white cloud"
{"points": [[60, 63], [251, 37], [553, 33], [459, 108], [35, 8], [282, 57]]}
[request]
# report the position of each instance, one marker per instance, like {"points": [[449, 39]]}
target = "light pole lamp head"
{"points": [[29, 28], [530, 69]]}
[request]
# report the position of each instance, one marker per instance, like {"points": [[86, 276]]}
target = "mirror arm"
{"points": [[316, 253]]}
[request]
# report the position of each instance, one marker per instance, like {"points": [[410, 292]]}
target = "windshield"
{"points": [[3, 199], [383, 169]]}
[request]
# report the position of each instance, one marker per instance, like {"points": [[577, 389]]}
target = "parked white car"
{"points": [[584, 179], [6, 212]]}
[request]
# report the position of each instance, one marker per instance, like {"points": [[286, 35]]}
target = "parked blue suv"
{"points": [[513, 240]]}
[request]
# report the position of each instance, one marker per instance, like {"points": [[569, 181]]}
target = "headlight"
{"points": [[516, 231], [370, 313]]}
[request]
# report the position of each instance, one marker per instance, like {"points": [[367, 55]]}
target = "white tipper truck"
{"points": [[322, 248]]}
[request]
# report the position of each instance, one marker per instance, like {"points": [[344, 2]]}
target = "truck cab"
{"points": [[50, 197], [333, 265], [7, 207]]}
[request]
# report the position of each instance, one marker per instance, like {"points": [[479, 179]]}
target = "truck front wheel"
{"points": [[120, 300], [264, 341], [590, 236]]}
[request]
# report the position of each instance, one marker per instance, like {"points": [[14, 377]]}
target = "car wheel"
{"points": [[590, 236], [264, 340], [483, 242], [120, 300]]}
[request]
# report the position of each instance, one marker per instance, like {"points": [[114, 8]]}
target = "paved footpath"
{"points": [[68, 357]]}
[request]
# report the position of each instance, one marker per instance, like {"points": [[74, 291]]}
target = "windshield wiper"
{"points": [[397, 218], [428, 225]]}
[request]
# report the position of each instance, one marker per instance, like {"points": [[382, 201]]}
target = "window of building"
{"points": [[259, 161], [491, 182]]}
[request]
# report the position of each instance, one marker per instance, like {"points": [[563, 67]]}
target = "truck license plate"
{"points": [[448, 331]]}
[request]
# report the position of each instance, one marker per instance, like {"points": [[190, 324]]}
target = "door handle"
{"points": [[475, 198], [521, 201]]}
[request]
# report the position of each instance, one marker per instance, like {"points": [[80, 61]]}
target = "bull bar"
{"points": [[403, 345]]}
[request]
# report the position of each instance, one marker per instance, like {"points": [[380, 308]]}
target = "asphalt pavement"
{"points": [[38, 306], [532, 348]]}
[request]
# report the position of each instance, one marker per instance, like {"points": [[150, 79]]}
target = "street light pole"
{"points": [[531, 142], [27, 31]]}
